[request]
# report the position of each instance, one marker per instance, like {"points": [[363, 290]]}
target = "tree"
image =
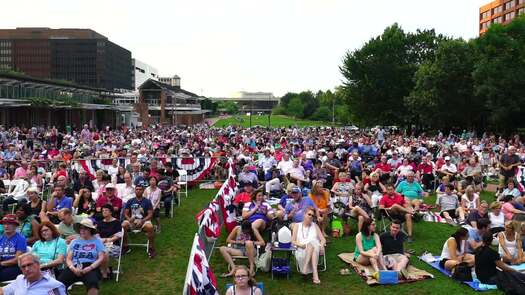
{"points": [[379, 75], [295, 108], [443, 95], [499, 74], [207, 104], [229, 107]]}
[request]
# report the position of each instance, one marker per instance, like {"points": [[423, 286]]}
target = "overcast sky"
{"points": [[218, 47]]}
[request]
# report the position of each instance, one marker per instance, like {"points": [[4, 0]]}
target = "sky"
{"points": [[219, 47]]}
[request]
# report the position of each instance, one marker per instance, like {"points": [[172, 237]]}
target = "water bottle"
{"points": [[273, 237]]}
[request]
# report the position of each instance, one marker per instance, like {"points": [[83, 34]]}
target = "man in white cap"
{"points": [[449, 169]]}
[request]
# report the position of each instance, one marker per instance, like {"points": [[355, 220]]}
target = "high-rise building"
{"points": [[82, 56], [499, 12]]}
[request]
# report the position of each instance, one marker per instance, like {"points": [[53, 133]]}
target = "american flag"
{"points": [[209, 220], [225, 199], [201, 281]]}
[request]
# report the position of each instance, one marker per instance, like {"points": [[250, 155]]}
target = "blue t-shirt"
{"points": [[66, 202], [473, 234], [301, 206], [139, 209], [9, 246], [285, 200], [86, 251]]}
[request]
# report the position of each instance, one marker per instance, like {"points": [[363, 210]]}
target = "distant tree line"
{"points": [[426, 81]]}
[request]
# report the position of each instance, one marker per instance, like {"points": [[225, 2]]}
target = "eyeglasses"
{"points": [[241, 277], [310, 214]]}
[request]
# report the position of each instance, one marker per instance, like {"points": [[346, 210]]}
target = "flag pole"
{"points": [[190, 265]]}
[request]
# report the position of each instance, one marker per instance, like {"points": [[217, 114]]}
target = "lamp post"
{"points": [[270, 111], [251, 111]]}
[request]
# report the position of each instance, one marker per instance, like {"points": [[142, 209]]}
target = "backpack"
{"points": [[463, 272]]}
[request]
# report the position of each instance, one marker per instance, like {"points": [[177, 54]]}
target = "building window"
{"points": [[497, 10], [509, 16], [509, 5], [497, 20]]}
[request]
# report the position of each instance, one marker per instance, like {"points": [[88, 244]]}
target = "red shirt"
{"points": [[115, 202], [387, 201], [243, 197], [385, 167], [425, 168]]}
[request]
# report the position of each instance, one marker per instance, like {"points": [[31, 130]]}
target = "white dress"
{"points": [[305, 236]]}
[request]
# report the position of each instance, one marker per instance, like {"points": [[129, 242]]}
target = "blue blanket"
{"points": [[476, 285]]}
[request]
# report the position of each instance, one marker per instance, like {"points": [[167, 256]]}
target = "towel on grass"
{"points": [[476, 284], [414, 274]]}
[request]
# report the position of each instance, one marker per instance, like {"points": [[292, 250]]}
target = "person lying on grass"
{"points": [[243, 240], [454, 251], [368, 247]]}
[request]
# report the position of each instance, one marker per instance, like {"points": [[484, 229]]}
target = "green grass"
{"points": [[166, 273], [276, 121]]}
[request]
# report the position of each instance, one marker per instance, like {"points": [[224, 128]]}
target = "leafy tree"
{"points": [[443, 93], [229, 107], [207, 104], [499, 75], [296, 108]]}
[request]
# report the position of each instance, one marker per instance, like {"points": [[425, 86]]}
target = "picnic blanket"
{"points": [[414, 274], [475, 284]]}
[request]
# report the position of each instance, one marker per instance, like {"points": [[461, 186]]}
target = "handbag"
{"points": [[264, 261], [462, 272]]}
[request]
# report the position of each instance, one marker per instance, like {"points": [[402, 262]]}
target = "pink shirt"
{"points": [[20, 172], [506, 209]]}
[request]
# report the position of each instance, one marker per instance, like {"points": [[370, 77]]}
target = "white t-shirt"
{"points": [[285, 166], [450, 168], [497, 220]]}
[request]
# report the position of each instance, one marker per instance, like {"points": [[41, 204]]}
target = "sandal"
{"points": [[344, 272], [317, 282]]}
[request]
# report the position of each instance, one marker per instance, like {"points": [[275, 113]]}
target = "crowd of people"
{"points": [[317, 175]]}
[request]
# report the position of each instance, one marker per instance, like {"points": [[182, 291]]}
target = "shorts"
{"points": [[133, 227], [112, 250], [91, 279], [242, 248], [451, 212]]}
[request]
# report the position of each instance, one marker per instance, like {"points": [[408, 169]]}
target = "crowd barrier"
{"points": [[211, 220]]}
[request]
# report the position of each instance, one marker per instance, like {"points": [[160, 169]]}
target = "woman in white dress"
{"points": [[309, 240]]}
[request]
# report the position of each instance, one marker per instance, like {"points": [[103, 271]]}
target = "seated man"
{"points": [[109, 197], [13, 244], [476, 215], [246, 176], [488, 263], [393, 251], [285, 200], [449, 206], [448, 169], [475, 235], [138, 214], [412, 190], [67, 223], [33, 280], [397, 208], [297, 174], [58, 201], [295, 209]]}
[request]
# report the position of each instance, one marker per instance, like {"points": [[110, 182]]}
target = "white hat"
{"points": [[110, 185], [447, 158]]}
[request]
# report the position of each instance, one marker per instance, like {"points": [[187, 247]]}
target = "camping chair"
{"points": [[183, 183], [386, 221], [242, 257]]}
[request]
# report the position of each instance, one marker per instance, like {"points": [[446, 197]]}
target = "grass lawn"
{"points": [[166, 273], [276, 121]]}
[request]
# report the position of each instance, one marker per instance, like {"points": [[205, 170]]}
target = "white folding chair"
{"points": [[9, 186], [118, 271], [183, 183], [138, 231]]}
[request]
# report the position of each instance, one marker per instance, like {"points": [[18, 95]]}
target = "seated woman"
{"points": [[243, 240], [343, 185], [28, 226], [321, 198], [509, 190], [360, 206], [470, 200], [509, 247], [497, 218], [453, 252], [374, 188], [310, 241], [368, 246], [84, 257], [84, 203], [445, 180], [13, 244], [509, 209], [258, 211], [243, 282], [110, 232], [36, 203], [449, 207], [50, 247]]}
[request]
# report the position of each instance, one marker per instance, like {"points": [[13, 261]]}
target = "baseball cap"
{"points": [[447, 158], [110, 185], [295, 189]]}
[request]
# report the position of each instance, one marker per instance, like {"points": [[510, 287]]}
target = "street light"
{"points": [[270, 111]]}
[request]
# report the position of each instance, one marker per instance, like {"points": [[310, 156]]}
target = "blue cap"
{"points": [[296, 190]]}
